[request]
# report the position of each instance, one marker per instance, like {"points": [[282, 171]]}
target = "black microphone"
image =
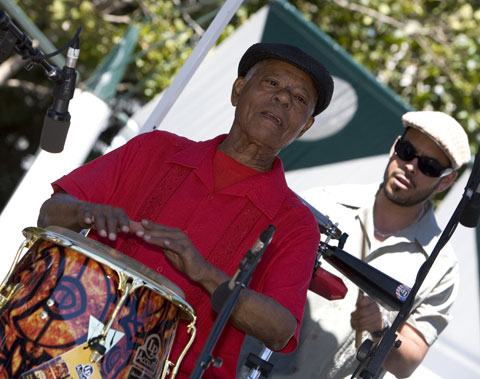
{"points": [[8, 39], [245, 269], [57, 119], [471, 211]]}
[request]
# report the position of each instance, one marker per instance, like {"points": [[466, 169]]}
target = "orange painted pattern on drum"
{"points": [[50, 315]]}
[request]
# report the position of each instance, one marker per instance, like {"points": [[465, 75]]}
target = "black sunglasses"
{"points": [[428, 166]]}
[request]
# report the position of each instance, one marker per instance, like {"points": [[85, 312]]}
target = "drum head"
{"points": [[116, 260]]}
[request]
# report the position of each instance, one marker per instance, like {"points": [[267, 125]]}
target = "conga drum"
{"points": [[72, 307]]}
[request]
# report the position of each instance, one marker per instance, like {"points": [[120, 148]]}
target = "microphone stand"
{"points": [[238, 282], [14, 38], [259, 364], [57, 119], [372, 357]]}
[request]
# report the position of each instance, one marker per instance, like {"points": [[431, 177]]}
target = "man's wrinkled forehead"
{"points": [[269, 67]]}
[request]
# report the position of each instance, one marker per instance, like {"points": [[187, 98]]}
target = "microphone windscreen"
{"points": [[471, 212], [54, 134]]}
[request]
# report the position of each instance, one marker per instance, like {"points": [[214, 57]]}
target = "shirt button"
{"points": [[159, 269]]}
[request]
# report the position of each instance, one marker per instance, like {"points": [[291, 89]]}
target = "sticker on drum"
{"points": [[74, 291], [402, 292], [75, 361]]}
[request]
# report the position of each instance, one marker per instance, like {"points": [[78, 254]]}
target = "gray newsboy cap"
{"points": [[318, 73], [445, 131]]}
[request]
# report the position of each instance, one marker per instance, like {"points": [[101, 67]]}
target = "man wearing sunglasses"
{"points": [[393, 228]]}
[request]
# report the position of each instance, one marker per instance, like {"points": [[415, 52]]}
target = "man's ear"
{"points": [[392, 149], [307, 126], [236, 89], [446, 182]]}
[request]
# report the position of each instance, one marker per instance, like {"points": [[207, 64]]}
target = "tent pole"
{"points": [[207, 41]]}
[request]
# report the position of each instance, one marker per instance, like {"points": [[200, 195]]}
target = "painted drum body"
{"points": [[68, 284]]}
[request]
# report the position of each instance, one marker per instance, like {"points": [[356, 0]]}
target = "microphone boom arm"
{"points": [[57, 119], [15, 38]]}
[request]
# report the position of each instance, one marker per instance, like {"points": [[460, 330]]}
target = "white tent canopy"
{"points": [[203, 110]]}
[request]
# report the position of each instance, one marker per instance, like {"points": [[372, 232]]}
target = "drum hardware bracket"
{"points": [[97, 344], [85, 232], [166, 371], [11, 291], [4, 299], [192, 330]]}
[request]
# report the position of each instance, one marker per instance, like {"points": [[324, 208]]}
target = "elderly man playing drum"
{"points": [[191, 210]]}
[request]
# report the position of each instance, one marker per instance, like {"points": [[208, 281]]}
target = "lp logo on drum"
{"points": [[84, 371], [147, 355]]}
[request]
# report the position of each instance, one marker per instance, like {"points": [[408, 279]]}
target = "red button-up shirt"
{"points": [[169, 180]]}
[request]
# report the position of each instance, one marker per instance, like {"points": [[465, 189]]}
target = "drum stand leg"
{"points": [[97, 344]]}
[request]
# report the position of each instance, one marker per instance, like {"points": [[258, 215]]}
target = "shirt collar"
{"points": [[266, 190], [425, 231]]}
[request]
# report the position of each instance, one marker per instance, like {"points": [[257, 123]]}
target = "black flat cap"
{"points": [[318, 73]]}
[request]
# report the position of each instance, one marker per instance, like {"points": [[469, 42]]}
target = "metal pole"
{"points": [[32, 31], [207, 41], [265, 354]]}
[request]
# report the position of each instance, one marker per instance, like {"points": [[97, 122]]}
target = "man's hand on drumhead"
{"points": [[178, 248], [107, 220], [135, 227]]}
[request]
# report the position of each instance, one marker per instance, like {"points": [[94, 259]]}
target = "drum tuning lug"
{"points": [[10, 292], [95, 356], [50, 302], [43, 315], [166, 370], [98, 351]]}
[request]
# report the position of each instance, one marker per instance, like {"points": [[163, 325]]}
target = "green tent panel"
{"points": [[377, 120]]}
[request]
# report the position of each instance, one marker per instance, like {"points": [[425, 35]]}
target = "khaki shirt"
{"points": [[327, 342]]}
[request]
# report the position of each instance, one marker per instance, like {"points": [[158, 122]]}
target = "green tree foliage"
{"points": [[167, 37], [425, 50]]}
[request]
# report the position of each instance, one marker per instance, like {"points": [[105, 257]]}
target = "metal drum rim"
{"points": [[123, 263]]}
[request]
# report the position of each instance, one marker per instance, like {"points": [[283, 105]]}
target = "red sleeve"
{"points": [[102, 179], [288, 269]]}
